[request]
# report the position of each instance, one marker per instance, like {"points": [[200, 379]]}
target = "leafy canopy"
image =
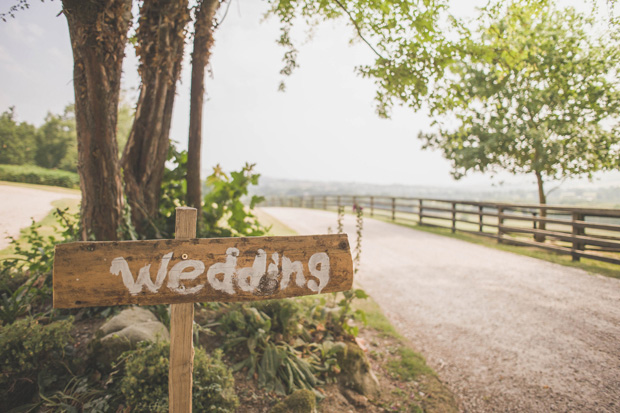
{"points": [[533, 92], [405, 35]]}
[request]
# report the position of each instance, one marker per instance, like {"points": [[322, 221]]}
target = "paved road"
{"points": [[19, 205], [505, 332]]}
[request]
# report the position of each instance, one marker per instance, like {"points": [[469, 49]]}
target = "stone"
{"points": [[123, 332], [300, 401], [126, 318], [356, 373]]}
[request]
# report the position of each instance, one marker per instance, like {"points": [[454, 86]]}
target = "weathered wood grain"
{"points": [[83, 277], [181, 331]]}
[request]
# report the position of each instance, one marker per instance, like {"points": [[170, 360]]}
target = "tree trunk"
{"points": [[203, 41], [98, 32], [542, 199], [161, 37]]}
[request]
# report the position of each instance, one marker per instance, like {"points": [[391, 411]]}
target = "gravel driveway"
{"points": [[19, 205], [505, 332]]}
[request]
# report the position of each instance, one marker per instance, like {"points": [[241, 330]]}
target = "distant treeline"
{"points": [[53, 145]]}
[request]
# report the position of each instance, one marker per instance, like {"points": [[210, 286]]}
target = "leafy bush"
{"points": [[286, 344], [224, 213], [25, 276], [36, 175], [145, 381], [28, 348]]}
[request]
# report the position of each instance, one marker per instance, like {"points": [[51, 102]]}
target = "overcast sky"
{"points": [[324, 127]]}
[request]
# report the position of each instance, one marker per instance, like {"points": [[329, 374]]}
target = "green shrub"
{"points": [[273, 341], [28, 348], [36, 175], [145, 383]]}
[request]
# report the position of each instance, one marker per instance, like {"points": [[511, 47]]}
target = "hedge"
{"points": [[36, 175]]}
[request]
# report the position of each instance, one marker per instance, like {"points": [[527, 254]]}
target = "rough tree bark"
{"points": [[160, 37], [98, 32], [203, 41]]}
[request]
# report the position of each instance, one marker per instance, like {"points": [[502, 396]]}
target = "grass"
{"points": [[38, 175], [275, 227], [50, 188]]}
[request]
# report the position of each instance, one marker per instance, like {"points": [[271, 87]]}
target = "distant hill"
{"points": [[586, 194]]}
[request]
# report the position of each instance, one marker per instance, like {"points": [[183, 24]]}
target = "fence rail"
{"points": [[592, 233]]}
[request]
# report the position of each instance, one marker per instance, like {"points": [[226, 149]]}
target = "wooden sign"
{"points": [[199, 270], [187, 270]]}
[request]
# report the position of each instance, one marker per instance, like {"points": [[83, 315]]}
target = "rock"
{"points": [[356, 372], [124, 331], [300, 401], [358, 400], [126, 318]]}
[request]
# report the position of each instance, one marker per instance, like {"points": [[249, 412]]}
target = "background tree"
{"points": [[17, 140], [98, 32], [204, 25], [56, 141], [160, 40], [411, 52], [533, 93]]}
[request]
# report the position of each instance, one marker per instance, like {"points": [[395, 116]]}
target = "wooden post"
{"points": [[577, 245], [181, 331], [419, 212], [372, 206], [393, 209], [453, 217], [534, 223], [480, 218], [500, 223]]}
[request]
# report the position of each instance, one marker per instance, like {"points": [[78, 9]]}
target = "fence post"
{"points": [[577, 245], [535, 224], [372, 206], [393, 209], [419, 212], [480, 218], [500, 223], [453, 217]]}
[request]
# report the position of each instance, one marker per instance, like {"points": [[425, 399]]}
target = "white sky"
{"points": [[322, 128]]}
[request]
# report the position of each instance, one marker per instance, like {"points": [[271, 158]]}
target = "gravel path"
{"points": [[505, 332], [19, 205]]}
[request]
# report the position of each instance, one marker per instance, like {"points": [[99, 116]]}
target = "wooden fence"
{"points": [[592, 233]]}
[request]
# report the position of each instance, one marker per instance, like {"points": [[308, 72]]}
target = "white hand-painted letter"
{"points": [[119, 265], [319, 259], [249, 278], [176, 274], [227, 268]]}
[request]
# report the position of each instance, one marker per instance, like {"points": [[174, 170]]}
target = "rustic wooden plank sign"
{"points": [[188, 270], [199, 270]]}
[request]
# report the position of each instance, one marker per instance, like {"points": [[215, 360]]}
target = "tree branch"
{"points": [[359, 31]]}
